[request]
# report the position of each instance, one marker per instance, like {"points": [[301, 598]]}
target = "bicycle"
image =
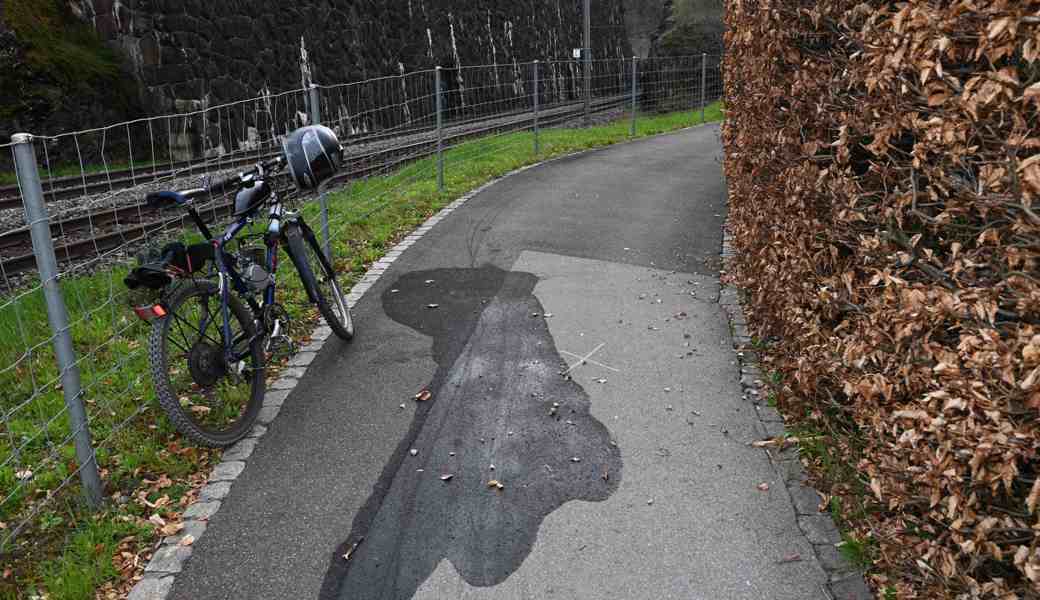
{"points": [[212, 335]]}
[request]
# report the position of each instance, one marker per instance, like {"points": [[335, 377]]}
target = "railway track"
{"points": [[92, 235], [112, 180]]}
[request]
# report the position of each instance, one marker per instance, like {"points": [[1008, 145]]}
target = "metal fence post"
{"points": [[635, 59], [440, 129], [57, 314], [537, 145], [704, 81], [587, 58], [315, 116]]}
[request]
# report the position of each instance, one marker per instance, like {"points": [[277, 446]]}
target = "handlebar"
{"points": [[233, 183]]}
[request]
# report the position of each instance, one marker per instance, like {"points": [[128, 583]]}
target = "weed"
{"points": [[859, 553]]}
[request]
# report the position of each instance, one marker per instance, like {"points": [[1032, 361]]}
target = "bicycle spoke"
{"points": [[207, 389], [179, 347]]}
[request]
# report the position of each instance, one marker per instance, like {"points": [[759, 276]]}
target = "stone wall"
{"points": [[189, 53]]}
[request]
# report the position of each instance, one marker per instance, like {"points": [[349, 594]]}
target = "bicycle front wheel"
{"points": [[319, 279], [208, 400]]}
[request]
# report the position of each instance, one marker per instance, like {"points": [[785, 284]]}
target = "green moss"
{"points": [[58, 45]]}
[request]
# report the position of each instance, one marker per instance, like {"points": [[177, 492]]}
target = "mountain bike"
{"points": [[215, 329]]}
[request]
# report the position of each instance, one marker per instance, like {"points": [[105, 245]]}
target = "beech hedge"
{"points": [[883, 161]]}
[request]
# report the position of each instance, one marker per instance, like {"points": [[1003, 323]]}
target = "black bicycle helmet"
{"points": [[313, 154]]}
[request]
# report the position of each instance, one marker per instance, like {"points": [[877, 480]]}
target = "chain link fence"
{"points": [[75, 394]]}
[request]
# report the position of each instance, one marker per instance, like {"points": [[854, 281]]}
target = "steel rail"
{"points": [[132, 228]]}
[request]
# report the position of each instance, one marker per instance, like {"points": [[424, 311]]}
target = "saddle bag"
{"points": [[157, 268]]}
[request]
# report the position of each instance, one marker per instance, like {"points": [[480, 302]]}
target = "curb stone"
{"points": [[169, 557], [151, 588], [845, 582]]}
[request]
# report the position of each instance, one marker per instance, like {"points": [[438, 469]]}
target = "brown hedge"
{"points": [[884, 171]]}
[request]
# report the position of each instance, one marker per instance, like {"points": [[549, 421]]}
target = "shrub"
{"points": [[883, 162]]}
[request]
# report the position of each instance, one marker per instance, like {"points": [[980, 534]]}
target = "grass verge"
{"points": [[151, 476]]}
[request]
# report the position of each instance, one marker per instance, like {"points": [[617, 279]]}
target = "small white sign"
{"points": [[577, 53]]}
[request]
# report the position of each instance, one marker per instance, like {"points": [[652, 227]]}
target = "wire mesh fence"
{"points": [[76, 404]]}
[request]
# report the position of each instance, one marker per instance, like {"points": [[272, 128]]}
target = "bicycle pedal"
{"points": [[282, 346]]}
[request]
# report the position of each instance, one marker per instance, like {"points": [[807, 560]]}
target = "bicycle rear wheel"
{"points": [[319, 279], [208, 400]]}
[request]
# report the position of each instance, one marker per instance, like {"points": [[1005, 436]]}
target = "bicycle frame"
{"points": [[229, 279]]}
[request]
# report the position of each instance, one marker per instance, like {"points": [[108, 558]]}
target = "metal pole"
{"points": [[537, 145], [635, 60], [440, 130], [587, 56], [58, 316], [315, 102], [704, 80]]}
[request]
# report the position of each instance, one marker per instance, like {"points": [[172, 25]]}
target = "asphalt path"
{"points": [[529, 473]]}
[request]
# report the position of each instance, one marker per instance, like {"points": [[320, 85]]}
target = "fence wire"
{"points": [[93, 184]]}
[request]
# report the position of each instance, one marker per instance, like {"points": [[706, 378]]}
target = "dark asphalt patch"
{"points": [[497, 379]]}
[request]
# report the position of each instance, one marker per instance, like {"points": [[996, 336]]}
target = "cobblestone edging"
{"points": [[845, 582]]}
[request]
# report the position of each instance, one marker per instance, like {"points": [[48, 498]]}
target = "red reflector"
{"points": [[147, 313]]}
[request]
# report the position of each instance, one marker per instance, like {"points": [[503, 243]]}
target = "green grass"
{"points": [[859, 552], [65, 551], [86, 561], [829, 444]]}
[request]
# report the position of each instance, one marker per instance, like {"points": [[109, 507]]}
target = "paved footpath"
{"points": [[631, 477]]}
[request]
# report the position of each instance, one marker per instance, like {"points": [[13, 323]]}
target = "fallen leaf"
{"points": [[764, 487], [200, 409], [1034, 495], [424, 395], [172, 528], [783, 442], [187, 540], [875, 486], [353, 547], [155, 519]]}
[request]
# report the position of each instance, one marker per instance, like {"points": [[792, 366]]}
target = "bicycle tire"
{"points": [[170, 399], [301, 243]]}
